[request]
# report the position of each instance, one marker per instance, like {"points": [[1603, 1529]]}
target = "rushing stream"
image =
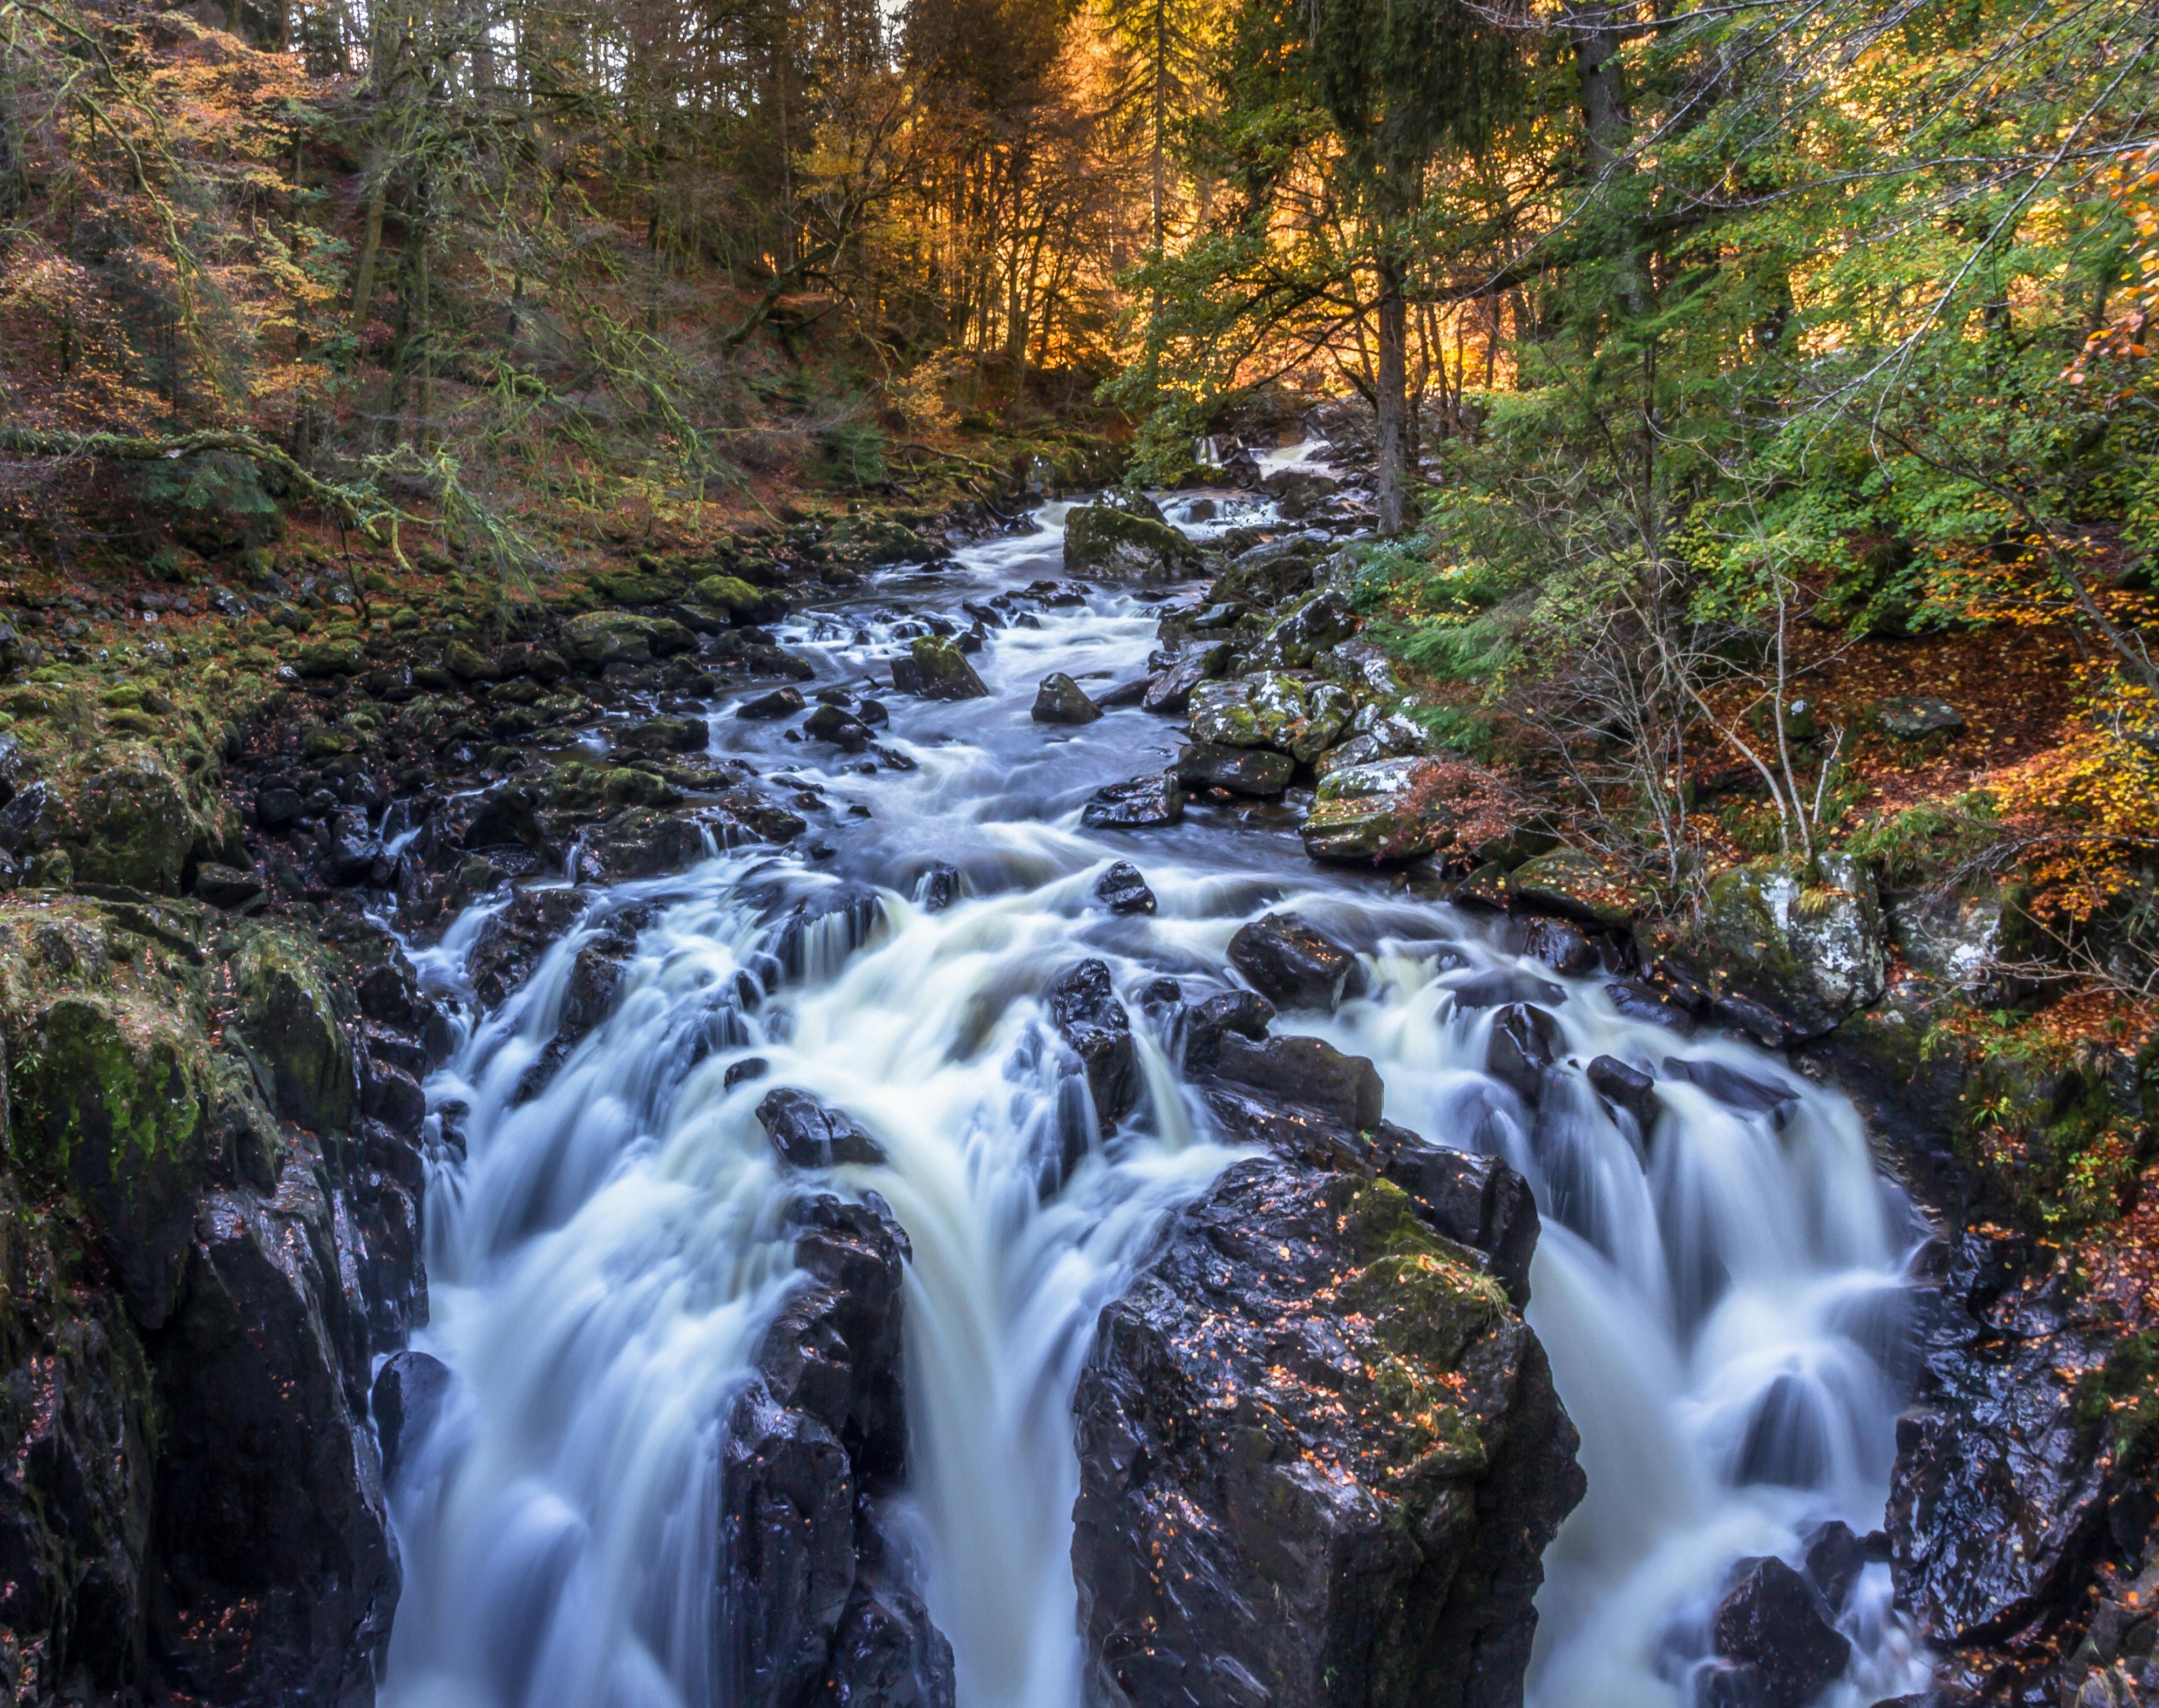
{"points": [[1722, 1300]]}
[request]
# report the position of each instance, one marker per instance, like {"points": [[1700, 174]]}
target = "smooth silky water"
{"points": [[1723, 1300]]}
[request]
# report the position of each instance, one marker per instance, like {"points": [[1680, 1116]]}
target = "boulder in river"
{"points": [[1774, 1626], [1122, 544], [1578, 886], [1255, 771], [810, 1133], [1298, 1095], [1171, 691], [1290, 964], [1060, 699], [1123, 889], [1271, 709], [779, 703], [1480, 1201], [838, 726], [1137, 804], [1286, 1501], [935, 669], [1085, 1009]]}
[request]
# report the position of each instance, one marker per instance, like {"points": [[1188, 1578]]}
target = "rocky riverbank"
{"points": [[217, 1146]]}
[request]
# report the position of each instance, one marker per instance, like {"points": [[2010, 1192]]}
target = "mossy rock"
{"points": [[339, 657], [584, 788], [636, 587], [289, 1023], [735, 599], [1271, 709], [935, 669], [111, 1099], [1388, 811], [603, 638], [136, 821], [1805, 939], [1580, 885], [468, 664], [1100, 540]]}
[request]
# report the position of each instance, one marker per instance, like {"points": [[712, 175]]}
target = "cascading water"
{"points": [[1722, 1297]]}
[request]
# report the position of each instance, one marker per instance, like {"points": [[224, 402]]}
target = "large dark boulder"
{"points": [[810, 1611], [1293, 966], [1774, 1628], [1476, 1201], [1320, 1458], [1060, 699], [1300, 1096], [1123, 889]]}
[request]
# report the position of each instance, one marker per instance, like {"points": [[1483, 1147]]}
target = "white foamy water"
{"points": [[1722, 1297]]}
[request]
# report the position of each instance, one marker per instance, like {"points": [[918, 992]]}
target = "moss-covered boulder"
{"points": [[580, 788], [1271, 709], [1579, 886], [1121, 545], [731, 597], [340, 656], [599, 639], [1321, 621], [1314, 1405], [112, 1099], [135, 820], [1396, 810], [875, 541], [1805, 939], [935, 669], [288, 1019]]}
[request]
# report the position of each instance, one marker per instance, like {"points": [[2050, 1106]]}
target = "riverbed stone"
{"points": [[1120, 543], [1123, 889], [1171, 691], [1260, 771], [779, 703], [1137, 804], [1381, 1473], [810, 1133], [1293, 965], [935, 669], [1060, 699]]}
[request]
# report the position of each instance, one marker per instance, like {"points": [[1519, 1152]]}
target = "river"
{"points": [[1723, 1300]]}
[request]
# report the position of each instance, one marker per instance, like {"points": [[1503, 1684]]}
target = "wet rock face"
{"points": [[1060, 699], [1083, 1007], [1242, 1447], [808, 1611], [2001, 1498], [810, 1133], [1293, 966]]}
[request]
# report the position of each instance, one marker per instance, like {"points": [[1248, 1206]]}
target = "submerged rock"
{"points": [[1312, 1405], [1123, 889], [935, 669]]}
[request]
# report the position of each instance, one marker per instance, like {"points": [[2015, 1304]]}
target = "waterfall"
{"points": [[1722, 1296]]}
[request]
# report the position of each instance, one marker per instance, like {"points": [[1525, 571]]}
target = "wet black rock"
{"points": [[1298, 1095], [809, 1613], [1774, 1622], [841, 728], [780, 702], [743, 1072], [226, 887], [1476, 1201], [1137, 804], [1400, 1574], [937, 888], [1290, 964], [1085, 1009], [825, 927], [1170, 692], [1245, 1012], [1123, 889], [1627, 1089], [935, 669], [639, 843], [407, 1398], [1496, 990], [811, 1134], [1254, 771], [1559, 945], [1526, 1042], [1060, 699], [1835, 1555]]}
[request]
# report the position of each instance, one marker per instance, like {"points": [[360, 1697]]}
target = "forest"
{"points": [[1694, 464]]}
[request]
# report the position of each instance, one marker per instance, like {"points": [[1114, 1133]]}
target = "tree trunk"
{"points": [[371, 248], [1392, 397]]}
